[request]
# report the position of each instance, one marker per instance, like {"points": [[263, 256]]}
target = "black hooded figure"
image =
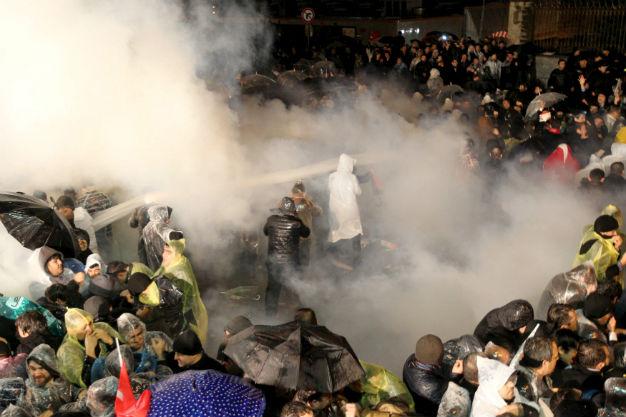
{"points": [[505, 326], [284, 231]]}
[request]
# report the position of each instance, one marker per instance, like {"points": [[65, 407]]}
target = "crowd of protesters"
{"points": [[66, 346]]}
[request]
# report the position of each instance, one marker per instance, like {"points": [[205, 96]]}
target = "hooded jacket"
{"points": [[501, 324], [45, 253], [345, 218], [492, 375], [55, 393]]}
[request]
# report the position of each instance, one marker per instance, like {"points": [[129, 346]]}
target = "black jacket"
{"points": [[500, 325], [426, 384], [284, 232]]}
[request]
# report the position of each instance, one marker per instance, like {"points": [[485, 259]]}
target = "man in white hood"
{"points": [[345, 219], [496, 394]]}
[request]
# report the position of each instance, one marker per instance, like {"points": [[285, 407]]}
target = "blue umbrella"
{"points": [[205, 394]]}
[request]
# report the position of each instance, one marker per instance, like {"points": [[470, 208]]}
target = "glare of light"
{"points": [[444, 37]]}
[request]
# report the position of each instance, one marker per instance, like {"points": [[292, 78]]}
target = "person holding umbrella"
{"points": [[284, 231]]}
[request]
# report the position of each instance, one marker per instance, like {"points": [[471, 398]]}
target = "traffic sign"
{"points": [[307, 14]]}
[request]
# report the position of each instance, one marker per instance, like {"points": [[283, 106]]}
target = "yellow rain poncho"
{"points": [[71, 354], [379, 384], [178, 269], [602, 253]]}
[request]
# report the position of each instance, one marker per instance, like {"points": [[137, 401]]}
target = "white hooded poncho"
{"points": [[345, 219]]}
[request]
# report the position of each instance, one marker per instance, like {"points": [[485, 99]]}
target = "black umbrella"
{"points": [[34, 224], [295, 356]]}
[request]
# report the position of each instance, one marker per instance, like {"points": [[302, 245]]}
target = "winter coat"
{"points": [[345, 219], [501, 324], [55, 393], [426, 384], [179, 270], [284, 232]]}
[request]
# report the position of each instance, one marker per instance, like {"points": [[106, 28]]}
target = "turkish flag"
{"points": [[125, 403]]}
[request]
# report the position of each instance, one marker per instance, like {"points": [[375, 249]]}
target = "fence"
{"points": [[564, 25]]}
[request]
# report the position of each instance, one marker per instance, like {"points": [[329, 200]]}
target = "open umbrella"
{"points": [[35, 224], [449, 91], [543, 101], [256, 83], [295, 356], [205, 394]]}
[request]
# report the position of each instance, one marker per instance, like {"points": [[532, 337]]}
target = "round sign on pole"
{"points": [[307, 14]]}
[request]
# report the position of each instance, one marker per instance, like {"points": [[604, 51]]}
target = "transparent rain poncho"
{"points": [[156, 233], [71, 355], [455, 402], [145, 360], [571, 287], [139, 383], [13, 307], [101, 397], [177, 268], [619, 355], [11, 390], [54, 394], [380, 384], [343, 185], [615, 403], [458, 349]]}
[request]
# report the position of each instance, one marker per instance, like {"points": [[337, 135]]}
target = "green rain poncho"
{"points": [[177, 268], [13, 307], [602, 253], [71, 355], [379, 384]]}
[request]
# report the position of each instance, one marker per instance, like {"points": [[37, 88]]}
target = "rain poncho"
{"points": [[71, 355], [84, 221], [569, 287], [145, 359], [139, 383], [615, 404], [345, 219], [155, 234], [602, 253], [492, 375], [458, 349], [455, 402], [205, 394], [101, 397], [55, 393], [11, 391], [379, 384], [13, 307], [179, 270]]}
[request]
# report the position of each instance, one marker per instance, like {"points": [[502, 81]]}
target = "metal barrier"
{"points": [[564, 25]]}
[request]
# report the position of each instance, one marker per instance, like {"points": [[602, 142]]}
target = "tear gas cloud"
{"points": [[108, 93]]}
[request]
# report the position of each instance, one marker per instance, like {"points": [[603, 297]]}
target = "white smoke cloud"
{"points": [[109, 93]]}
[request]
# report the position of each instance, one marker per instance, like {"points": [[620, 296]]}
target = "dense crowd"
{"points": [[92, 324]]}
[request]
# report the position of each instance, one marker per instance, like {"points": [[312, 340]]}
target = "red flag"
{"points": [[125, 403]]}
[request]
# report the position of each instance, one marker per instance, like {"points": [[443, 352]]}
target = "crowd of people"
{"points": [[92, 322]]}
